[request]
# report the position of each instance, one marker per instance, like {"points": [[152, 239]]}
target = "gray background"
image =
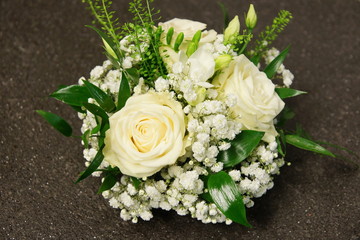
{"points": [[44, 44]]}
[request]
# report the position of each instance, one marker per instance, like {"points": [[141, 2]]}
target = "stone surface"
{"points": [[44, 44]]}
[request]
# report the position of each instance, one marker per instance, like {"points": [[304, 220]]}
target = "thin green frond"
{"points": [[266, 37]]}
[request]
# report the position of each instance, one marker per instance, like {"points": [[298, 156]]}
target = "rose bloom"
{"points": [[257, 102], [147, 134], [189, 28]]}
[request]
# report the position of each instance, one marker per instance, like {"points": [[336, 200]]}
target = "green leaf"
{"points": [[96, 110], [227, 197], [136, 182], [241, 147], [133, 75], [57, 122], [96, 129], [109, 181], [74, 95], [104, 128], [300, 131], [306, 144], [92, 167], [271, 69], [288, 92], [85, 138], [207, 197], [225, 14], [78, 109], [192, 47], [255, 59], [169, 35], [103, 99], [178, 41], [110, 43], [113, 61], [124, 92], [196, 38], [285, 115], [281, 142]]}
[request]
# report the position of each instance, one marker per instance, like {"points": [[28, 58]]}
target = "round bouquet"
{"points": [[181, 117]]}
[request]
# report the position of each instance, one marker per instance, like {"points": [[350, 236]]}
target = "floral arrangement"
{"points": [[184, 118]]}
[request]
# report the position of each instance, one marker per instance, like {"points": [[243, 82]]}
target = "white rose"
{"points": [[189, 28], [147, 134], [257, 102]]}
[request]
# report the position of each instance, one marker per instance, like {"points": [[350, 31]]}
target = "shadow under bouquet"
{"points": [[181, 117]]}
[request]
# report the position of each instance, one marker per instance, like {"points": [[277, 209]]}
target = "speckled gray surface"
{"points": [[45, 44]]}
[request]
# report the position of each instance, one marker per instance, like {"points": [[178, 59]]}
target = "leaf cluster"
{"points": [[77, 96]]}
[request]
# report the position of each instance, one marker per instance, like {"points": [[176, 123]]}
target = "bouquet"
{"points": [[181, 117]]}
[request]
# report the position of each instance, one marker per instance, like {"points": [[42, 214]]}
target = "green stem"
{"points": [[245, 45]]}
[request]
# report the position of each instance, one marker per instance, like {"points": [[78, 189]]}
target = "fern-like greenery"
{"points": [[103, 16], [266, 37], [242, 41], [152, 65]]}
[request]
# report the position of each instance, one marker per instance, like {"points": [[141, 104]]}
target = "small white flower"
{"points": [[161, 84], [235, 175], [146, 215], [127, 63], [188, 179], [224, 146], [96, 72]]}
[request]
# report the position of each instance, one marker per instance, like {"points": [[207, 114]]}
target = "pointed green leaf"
{"points": [[109, 181], [207, 197], [78, 109], [227, 197], [197, 36], [169, 35], [136, 182], [85, 138], [113, 61], [74, 95], [306, 144], [255, 59], [178, 41], [281, 142], [285, 115], [92, 167], [288, 92], [96, 129], [108, 43], [225, 14], [241, 147], [57, 122], [192, 47], [271, 69], [104, 128], [124, 92], [103, 99], [96, 110], [133, 75]]}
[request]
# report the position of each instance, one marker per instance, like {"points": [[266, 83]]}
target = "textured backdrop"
{"points": [[44, 44]]}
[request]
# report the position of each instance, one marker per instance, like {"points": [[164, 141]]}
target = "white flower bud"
{"points": [[232, 30], [222, 61], [251, 18]]}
